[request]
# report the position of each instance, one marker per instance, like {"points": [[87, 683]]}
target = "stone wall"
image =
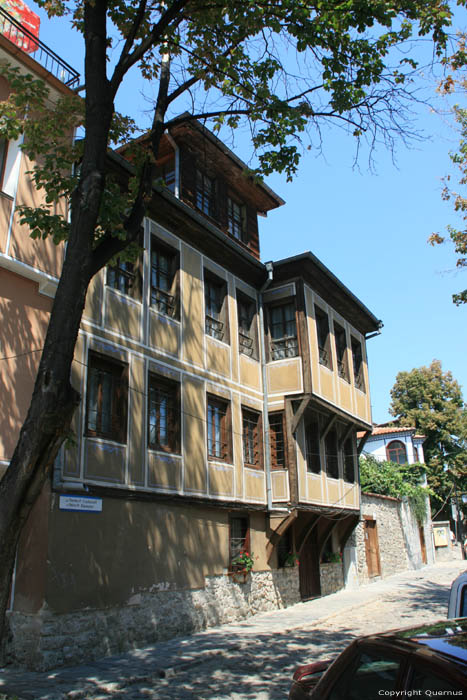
{"points": [[392, 551], [331, 577], [398, 537], [45, 640]]}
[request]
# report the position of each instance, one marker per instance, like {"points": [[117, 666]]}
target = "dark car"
{"points": [[425, 661]]}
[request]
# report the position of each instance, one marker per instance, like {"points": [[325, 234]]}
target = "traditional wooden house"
{"points": [[216, 438]]}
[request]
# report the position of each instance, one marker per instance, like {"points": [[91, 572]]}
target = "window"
{"points": [[164, 278], [332, 460], [246, 312], [215, 298], [426, 683], [205, 193], [163, 414], [239, 536], [313, 460], [3, 157], [372, 676], [349, 461], [322, 330], [166, 173], [396, 452], [357, 361], [252, 439], [122, 277], [341, 352], [283, 330], [276, 440], [107, 395], [218, 429], [236, 220]]}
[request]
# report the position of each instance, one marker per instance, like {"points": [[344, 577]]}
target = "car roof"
{"points": [[447, 638]]}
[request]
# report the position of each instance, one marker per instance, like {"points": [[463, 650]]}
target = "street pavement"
{"points": [[250, 660]]}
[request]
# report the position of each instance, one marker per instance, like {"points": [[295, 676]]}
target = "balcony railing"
{"points": [[245, 342], [214, 328], [48, 59], [281, 348]]}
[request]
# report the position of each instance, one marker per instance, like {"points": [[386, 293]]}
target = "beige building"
{"points": [[221, 401]]}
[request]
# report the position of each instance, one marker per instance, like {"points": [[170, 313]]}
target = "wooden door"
{"points": [[310, 585], [370, 533], [422, 544]]}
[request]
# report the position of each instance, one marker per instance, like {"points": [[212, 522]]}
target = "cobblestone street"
{"points": [[253, 660]]}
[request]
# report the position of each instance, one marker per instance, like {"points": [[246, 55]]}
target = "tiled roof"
{"points": [[390, 430]]}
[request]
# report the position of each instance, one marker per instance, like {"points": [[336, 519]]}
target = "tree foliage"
{"points": [[396, 480], [431, 400], [456, 82]]}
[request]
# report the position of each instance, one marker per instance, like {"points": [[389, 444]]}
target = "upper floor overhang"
{"points": [[308, 267]]}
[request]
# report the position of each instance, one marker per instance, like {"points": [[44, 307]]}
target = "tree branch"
{"points": [[154, 37]]}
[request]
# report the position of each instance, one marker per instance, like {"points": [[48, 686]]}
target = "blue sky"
{"points": [[370, 229]]}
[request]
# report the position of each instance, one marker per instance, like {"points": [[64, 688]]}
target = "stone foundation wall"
{"points": [[46, 640], [331, 577]]}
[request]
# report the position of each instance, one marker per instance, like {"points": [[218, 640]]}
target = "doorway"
{"points": [[370, 534]]}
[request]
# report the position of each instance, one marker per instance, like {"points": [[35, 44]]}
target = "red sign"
{"points": [[26, 18]]}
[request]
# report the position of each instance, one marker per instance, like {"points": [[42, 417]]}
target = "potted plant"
{"points": [[241, 566], [291, 559]]}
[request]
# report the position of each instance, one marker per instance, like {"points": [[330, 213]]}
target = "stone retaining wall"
{"points": [[45, 640], [331, 577], [398, 537]]}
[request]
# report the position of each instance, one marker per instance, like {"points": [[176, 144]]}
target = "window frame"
{"points": [[277, 418], [252, 430], [205, 197], [236, 225], [170, 389], [167, 298], [216, 325], [340, 339], [349, 451], [311, 462], [332, 458], [166, 172], [247, 332], [291, 346], [357, 363], [324, 349], [218, 408], [234, 551], [126, 272], [389, 450], [118, 371]]}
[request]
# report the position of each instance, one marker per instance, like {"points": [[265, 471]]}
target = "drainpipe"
{"points": [[177, 164], [262, 349]]}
